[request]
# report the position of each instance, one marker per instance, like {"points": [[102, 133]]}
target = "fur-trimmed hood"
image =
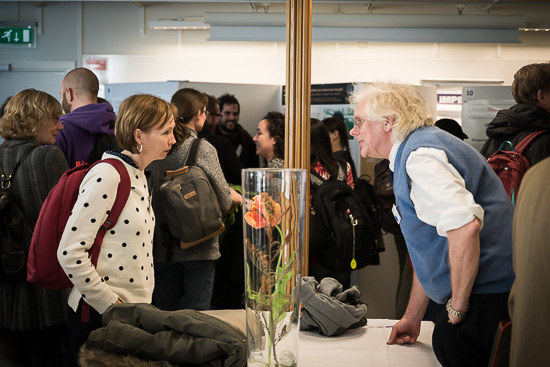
{"points": [[100, 358]]}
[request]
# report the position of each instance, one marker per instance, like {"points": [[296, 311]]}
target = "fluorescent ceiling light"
{"points": [[371, 20], [535, 29], [197, 24], [271, 27]]}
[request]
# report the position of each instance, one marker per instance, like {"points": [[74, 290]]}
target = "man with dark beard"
{"points": [[531, 91], [230, 129], [85, 120]]}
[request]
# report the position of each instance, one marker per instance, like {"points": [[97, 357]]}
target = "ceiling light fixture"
{"points": [[370, 28], [187, 24]]}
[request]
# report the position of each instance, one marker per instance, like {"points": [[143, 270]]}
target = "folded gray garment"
{"points": [[328, 308]]}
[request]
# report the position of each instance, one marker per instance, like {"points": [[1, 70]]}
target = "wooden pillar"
{"points": [[298, 96]]}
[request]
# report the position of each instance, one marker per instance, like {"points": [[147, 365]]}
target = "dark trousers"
{"points": [[192, 280], [79, 330], [469, 343]]}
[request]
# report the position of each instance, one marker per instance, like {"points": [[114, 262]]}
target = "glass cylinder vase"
{"points": [[274, 207]]}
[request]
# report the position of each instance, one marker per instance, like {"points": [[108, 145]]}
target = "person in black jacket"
{"points": [[531, 91], [230, 129]]}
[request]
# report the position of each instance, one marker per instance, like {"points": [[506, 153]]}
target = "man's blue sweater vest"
{"points": [[429, 251]]}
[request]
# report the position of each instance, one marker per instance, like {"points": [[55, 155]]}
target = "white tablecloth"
{"points": [[366, 347]]}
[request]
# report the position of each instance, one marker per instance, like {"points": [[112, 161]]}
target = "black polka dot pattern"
{"points": [[124, 261]]}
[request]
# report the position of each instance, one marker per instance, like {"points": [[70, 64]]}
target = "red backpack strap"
{"points": [[527, 140], [123, 192]]}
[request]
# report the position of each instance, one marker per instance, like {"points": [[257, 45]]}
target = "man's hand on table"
{"points": [[404, 332]]}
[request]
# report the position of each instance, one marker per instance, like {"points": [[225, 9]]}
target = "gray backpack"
{"points": [[190, 204]]}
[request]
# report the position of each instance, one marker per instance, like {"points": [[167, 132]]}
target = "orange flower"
{"points": [[264, 210]]}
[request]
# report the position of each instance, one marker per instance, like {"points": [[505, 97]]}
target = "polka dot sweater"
{"points": [[125, 263]]}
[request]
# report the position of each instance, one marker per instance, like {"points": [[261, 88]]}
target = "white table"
{"points": [[366, 347]]}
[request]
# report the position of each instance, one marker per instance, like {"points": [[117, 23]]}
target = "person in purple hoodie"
{"points": [[85, 120]]}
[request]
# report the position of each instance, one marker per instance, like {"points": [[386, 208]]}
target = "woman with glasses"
{"points": [[187, 273], [32, 319]]}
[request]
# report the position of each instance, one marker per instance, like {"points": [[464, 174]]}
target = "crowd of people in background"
{"points": [[467, 247]]}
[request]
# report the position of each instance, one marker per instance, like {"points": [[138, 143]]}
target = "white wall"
{"points": [[111, 30], [74, 31]]}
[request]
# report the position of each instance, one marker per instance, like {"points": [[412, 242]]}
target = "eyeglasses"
{"points": [[358, 122], [56, 119], [216, 114]]}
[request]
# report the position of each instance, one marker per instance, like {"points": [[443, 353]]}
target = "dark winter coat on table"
{"points": [[184, 337]]}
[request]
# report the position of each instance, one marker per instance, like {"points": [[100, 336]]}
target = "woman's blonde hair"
{"points": [[400, 101], [26, 112], [140, 111]]}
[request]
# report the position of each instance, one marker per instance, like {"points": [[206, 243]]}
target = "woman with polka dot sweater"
{"points": [[190, 272], [124, 271]]}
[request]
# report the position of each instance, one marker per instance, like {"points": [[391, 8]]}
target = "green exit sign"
{"points": [[17, 35]]}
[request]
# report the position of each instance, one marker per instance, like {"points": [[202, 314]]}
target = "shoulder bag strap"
{"points": [[527, 140], [192, 157], [6, 182]]}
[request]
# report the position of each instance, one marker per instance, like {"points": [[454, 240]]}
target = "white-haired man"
{"points": [[456, 218]]}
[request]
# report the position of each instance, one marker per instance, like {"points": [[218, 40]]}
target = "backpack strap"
{"points": [[123, 192], [527, 140], [341, 170], [192, 157], [6, 182], [317, 180]]}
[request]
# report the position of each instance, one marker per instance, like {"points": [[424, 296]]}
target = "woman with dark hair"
{"points": [[339, 141], [270, 139], [323, 163], [321, 158], [32, 319], [190, 272]]}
